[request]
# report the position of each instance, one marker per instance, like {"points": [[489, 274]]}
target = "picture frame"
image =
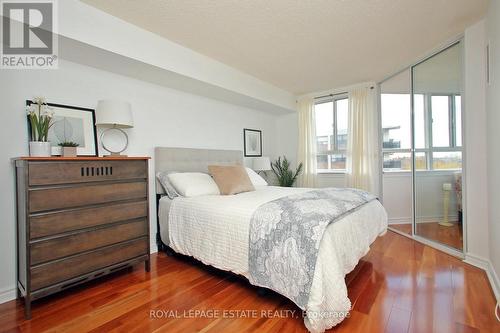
{"points": [[72, 123], [252, 142]]}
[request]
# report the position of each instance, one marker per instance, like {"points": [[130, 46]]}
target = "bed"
{"points": [[215, 230]]}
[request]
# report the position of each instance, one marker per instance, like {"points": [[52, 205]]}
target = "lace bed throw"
{"points": [[285, 235]]}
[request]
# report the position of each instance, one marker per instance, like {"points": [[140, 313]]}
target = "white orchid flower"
{"points": [[47, 112], [39, 100], [29, 110]]}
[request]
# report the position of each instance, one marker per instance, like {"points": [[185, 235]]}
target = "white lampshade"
{"points": [[261, 163], [114, 114]]}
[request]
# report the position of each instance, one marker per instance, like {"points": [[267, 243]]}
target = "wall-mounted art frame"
{"points": [[72, 123], [252, 142]]}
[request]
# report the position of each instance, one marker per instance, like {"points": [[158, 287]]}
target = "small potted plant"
{"points": [[68, 148], [40, 116], [286, 177]]}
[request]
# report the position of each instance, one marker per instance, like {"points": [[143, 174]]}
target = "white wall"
{"points": [[475, 181], [429, 196], [331, 180], [397, 196], [163, 117], [287, 134], [493, 121]]}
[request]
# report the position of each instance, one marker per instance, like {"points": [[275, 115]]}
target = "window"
{"points": [[438, 131], [458, 121], [440, 109], [331, 133], [396, 131]]}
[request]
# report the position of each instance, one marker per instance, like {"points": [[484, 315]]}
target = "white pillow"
{"points": [[165, 183], [255, 178], [193, 184]]}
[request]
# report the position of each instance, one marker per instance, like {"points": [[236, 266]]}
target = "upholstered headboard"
{"points": [[192, 160]]}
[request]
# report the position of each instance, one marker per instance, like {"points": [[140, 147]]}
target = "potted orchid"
{"points": [[40, 116]]}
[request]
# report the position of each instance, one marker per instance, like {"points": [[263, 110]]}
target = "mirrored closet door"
{"points": [[421, 117], [395, 105], [437, 136]]}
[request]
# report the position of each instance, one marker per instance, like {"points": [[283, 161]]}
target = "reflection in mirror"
{"points": [[395, 102], [437, 91]]}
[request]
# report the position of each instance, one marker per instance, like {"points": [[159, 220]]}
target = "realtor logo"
{"points": [[29, 39]]}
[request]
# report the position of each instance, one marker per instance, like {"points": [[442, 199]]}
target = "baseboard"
{"points": [[424, 219], [8, 294], [399, 220], [487, 266], [477, 261], [437, 218], [494, 281]]}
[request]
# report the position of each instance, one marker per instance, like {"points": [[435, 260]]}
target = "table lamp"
{"points": [[115, 116], [261, 164]]}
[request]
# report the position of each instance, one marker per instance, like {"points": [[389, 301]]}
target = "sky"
{"points": [[396, 112], [324, 117]]}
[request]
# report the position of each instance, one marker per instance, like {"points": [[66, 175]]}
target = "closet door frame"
{"points": [[442, 247]]}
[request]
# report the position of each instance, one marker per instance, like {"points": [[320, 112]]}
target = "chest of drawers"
{"points": [[79, 219]]}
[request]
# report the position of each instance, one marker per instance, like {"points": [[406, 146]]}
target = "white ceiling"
{"points": [[304, 46]]}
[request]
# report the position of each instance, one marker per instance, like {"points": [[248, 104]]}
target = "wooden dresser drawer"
{"points": [[79, 218], [75, 219], [55, 248], [78, 196], [53, 173], [51, 273]]}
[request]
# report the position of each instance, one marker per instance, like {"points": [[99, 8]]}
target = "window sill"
{"points": [[403, 173], [422, 171], [327, 173]]}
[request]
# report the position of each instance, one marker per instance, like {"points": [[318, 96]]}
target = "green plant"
{"points": [[68, 144], [40, 117], [286, 177]]}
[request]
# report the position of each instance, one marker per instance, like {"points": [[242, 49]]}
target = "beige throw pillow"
{"points": [[231, 179]]}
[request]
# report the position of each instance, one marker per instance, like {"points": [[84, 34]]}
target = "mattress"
{"points": [[215, 230]]}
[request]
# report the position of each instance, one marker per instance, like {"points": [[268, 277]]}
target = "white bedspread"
{"points": [[214, 229]]}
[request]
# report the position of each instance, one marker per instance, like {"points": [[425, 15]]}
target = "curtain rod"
{"points": [[331, 95]]}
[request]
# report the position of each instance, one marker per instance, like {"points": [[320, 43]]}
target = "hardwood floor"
{"points": [[399, 286], [451, 236], [405, 227]]}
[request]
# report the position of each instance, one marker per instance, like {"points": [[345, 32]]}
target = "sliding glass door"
{"points": [[421, 116]]}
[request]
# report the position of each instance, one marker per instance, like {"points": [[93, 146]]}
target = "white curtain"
{"points": [[307, 142], [363, 146]]}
